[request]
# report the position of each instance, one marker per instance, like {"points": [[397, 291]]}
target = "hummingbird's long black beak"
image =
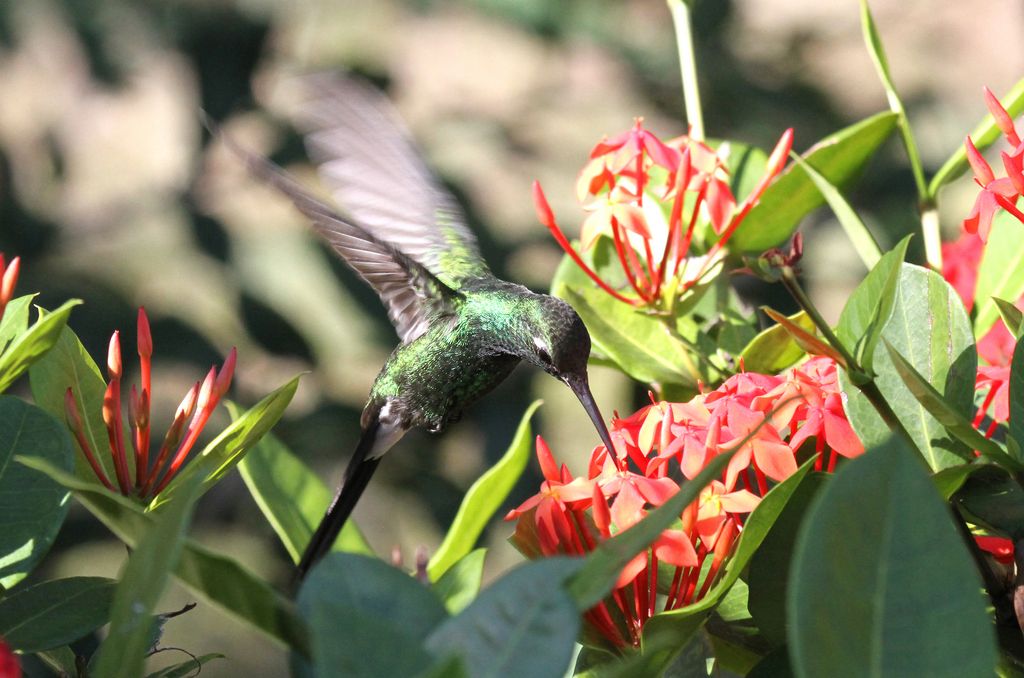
{"points": [[580, 386]]}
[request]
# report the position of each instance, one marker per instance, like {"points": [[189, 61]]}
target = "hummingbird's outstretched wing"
{"points": [[412, 294], [367, 160]]}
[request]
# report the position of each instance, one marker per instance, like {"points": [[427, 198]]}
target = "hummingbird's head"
{"points": [[561, 347]]}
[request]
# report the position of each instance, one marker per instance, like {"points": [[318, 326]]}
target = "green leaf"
{"points": [[949, 480], [1012, 317], [930, 328], [881, 582], [1001, 271], [292, 498], [484, 497], [807, 340], [877, 52], [524, 624], [870, 306], [217, 578], [983, 135], [839, 158], [14, 320], [61, 660], [992, 498], [32, 508], [640, 344], [31, 345], [186, 669], [55, 613], [228, 448], [68, 365], [382, 614], [145, 576], [770, 564], [1016, 432], [665, 632], [860, 237], [952, 420], [460, 583], [774, 350]]}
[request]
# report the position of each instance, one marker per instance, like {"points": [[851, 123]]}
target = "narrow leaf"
{"points": [[773, 349], [805, 339], [32, 344], [484, 497], [860, 237], [292, 498], [228, 448], [186, 669], [55, 613], [1011, 315], [15, 319], [881, 582], [124, 650], [458, 586], [1016, 424]]}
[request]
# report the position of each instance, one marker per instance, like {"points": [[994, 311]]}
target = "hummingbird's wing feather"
{"points": [[367, 160], [412, 294]]}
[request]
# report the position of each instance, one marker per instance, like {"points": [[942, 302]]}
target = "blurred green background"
{"points": [[111, 192]]}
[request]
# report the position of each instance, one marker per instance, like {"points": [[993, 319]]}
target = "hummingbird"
{"points": [[462, 330]]}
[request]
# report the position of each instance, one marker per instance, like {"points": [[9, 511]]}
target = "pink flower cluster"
{"points": [[771, 422], [649, 197]]}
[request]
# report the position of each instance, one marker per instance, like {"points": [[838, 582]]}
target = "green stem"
{"points": [[688, 66], [864, 382], [932, 234]]}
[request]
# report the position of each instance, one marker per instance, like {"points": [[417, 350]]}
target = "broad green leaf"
{"points": [[484, 497], [638, 343], [1016, 424], [983, 135], [949, 480], [33, 343], [524, 624], [881, 583], [877, 52], [32, 507], [947, 415], [993, 498], [61, 660], [839, 158], [186, 669], [1001, 271], [774, 665], [460, 583], [218, 579], [382, 613], [664, 632], [228, 448], [769, 567], [68, 365], [930, 328], [870, 306], [55, 613], [860, 237], [292, 498], [123, 652], [1012, 316], [14, 320], [774, 350]]}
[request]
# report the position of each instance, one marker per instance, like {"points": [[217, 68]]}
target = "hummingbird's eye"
{"points": [[544, 356]]}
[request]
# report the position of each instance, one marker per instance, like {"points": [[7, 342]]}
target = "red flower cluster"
{"points": [[649, 197], [769, 418], [8, 279], [996, 193], [198, 404]]}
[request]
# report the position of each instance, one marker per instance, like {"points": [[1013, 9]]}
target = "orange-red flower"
{"points": [[8, 279], [189, 419], [648, 197], [9, 665], [996, 193]]}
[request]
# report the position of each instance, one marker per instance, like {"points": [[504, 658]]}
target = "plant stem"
{"points": [[688, 66], [864, 382], [932, 234]]}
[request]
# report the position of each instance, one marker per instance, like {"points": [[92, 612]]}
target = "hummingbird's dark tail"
{"points": [[357, 476]]}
